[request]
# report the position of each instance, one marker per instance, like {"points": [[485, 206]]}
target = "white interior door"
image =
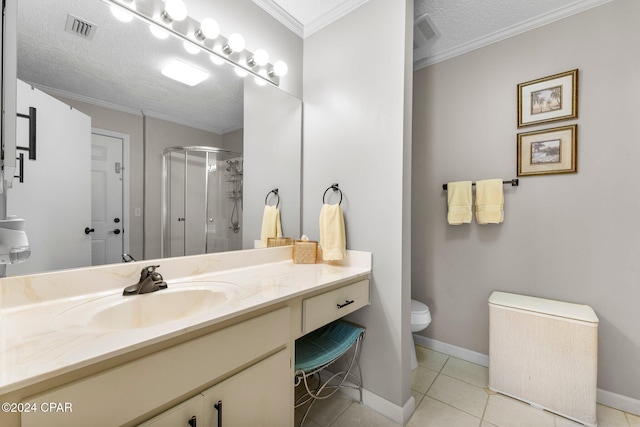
{"points": [[107, 219], [55, 195]]}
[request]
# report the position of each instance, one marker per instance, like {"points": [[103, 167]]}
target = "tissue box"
{"points": [[273, 242], [305, 251]]}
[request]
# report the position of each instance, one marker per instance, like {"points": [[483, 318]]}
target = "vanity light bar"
{"points": [[150, 11]]}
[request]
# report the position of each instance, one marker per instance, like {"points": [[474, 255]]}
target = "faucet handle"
{"points": [[147, 271]]}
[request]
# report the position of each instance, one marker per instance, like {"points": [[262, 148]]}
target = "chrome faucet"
{"points": [[150, 281]]}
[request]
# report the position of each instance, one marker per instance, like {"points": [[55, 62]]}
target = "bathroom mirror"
{"points": [[115, 67]]}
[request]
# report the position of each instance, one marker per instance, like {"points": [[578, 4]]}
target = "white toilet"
{"points": [[420, 319]]}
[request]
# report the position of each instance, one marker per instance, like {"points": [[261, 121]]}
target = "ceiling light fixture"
{"points": [[184, 73], [259, 58], [205, 35], [174, 10], [279, 69], [209, 29], [234, 44]]}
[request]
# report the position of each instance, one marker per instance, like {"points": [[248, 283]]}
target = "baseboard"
{"points": [[397, 414], [452, 350], [603, 397], [618, 401]]}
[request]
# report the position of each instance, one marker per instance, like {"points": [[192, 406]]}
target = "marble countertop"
{"points": [[36, 345]]}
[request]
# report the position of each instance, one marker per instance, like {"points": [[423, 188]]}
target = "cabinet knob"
{"points": [[192, 421]]}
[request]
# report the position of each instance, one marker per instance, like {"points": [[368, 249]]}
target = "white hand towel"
{"points": [[459, 202], [489, 201], [332, 234], [271, 226]]}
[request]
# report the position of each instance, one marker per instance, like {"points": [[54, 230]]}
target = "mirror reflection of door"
{"points": [[107, 207]]}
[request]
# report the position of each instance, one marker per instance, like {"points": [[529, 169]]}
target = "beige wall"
{"points": [[567, 237]]}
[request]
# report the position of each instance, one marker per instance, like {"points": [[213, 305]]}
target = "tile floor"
{"points": [[450, 392]]}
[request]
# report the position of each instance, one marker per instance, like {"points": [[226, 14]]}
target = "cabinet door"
{"points": [[188, 413], [261, 395]]}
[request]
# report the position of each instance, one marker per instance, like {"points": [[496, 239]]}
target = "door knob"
{"points": [[116, 231], [88, 230]]}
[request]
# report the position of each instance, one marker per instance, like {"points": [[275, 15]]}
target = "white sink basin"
{"points": [[118, 312]]}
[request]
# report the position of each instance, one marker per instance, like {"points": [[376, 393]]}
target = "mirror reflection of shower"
{"points": [[202, 201], [234, 178]]}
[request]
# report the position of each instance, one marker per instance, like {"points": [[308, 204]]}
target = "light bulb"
{"points": [[241, 72], [259, 81], [216, 59], [174, 10], [121, 14], [189, 47], [159, 32], [209, 29], [260, 58], [235, 43], [280, 68]]}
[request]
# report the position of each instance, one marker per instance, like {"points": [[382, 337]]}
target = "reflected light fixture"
{"points": [[234, 44], [193, 50], [159, 32], [184, 73], [259, 58], [216, 59], [174, 10], [240, 71], [209, 29], [121, 14]]}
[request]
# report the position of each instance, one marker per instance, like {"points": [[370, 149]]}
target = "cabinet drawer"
{"points": [[329, 306]]}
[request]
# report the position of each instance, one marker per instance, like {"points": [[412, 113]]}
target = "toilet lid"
{"points": [[418, 308]]}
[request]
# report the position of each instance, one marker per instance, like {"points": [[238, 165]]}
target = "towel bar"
{"points": [[514, 183], [274, 191], [333, 187]]}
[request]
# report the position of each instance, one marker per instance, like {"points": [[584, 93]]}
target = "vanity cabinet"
{"points": [[257, 396], [321, 309], [129, 393]]}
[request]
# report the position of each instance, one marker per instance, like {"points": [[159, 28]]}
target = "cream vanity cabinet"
{"points": [[246, 365], [249, 398], [326, 307]]}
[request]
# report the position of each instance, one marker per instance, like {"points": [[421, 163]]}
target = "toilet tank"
{"points": [[545, 353]]}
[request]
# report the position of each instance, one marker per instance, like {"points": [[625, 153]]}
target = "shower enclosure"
{"points": [[201, 201]]}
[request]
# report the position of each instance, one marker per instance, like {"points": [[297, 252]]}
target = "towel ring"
{"points": [[333, 187], [274, 191]]}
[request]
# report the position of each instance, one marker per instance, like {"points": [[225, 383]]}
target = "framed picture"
{"points": [[548, 99], [548, 151]]}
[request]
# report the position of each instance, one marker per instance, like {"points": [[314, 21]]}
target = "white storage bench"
{"points": [[544, 352]]}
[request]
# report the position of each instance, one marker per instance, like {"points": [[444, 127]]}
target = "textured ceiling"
{"points": [[463, 25], [121, 66]]}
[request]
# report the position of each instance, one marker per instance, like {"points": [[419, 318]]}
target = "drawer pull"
{"points": [[346, 303]]}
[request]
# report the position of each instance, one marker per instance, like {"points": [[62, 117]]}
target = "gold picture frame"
{"points": [[548, 151], [548, 99]]}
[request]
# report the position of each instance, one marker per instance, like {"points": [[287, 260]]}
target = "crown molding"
{"points": [[128, 110], [303, 31], [281, 15], [331, 16], [421, 60]]}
